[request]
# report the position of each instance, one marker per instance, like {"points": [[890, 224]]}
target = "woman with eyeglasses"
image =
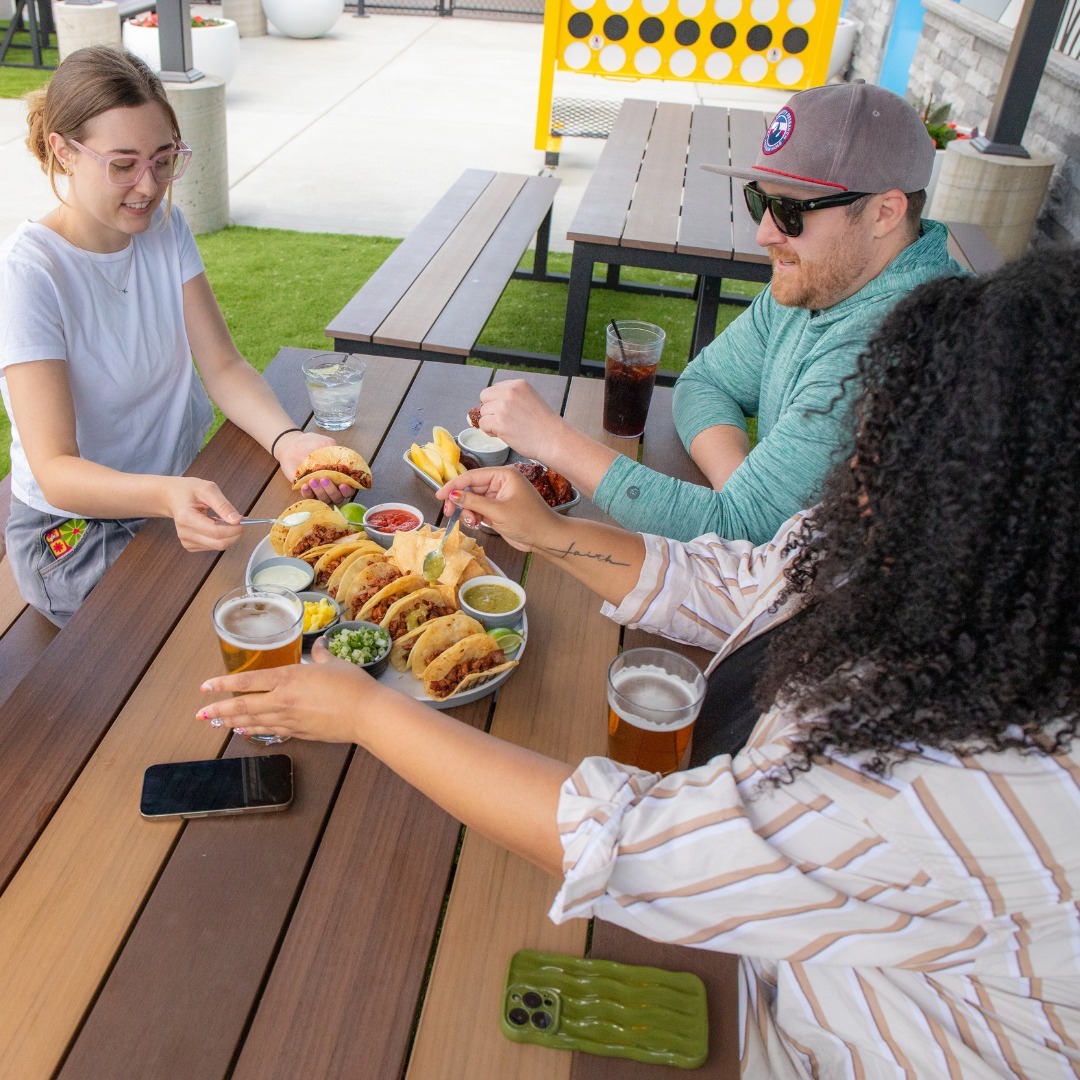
{"points": [[895, 855], [103, 306]]}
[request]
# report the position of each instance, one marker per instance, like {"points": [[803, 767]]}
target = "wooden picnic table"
{"points": [[348, 936], [650, 204]]}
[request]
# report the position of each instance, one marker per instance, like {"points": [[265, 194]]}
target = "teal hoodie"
{"points": [[775, 363]]}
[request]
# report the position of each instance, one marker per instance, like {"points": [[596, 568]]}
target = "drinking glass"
{"points": [[654, 697], [632, 357], [258, 626], [334, 381]]}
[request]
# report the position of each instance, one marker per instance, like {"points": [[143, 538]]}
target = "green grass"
{"points": [[16, 81], [280, 288]]}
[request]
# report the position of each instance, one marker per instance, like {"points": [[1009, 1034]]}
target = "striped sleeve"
{"points": [[703, 590], [788, 875]]}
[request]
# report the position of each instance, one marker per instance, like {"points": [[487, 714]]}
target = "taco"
{"points": [[420, 646], [415, 609], [366, 583], [336, 463], [472, 660], [332, 559], [323, 529], [278, 532], [380, 603], [341, 578]]}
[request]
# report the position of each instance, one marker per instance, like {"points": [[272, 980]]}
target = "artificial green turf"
{"points": [[16, 81], [279, 288]]}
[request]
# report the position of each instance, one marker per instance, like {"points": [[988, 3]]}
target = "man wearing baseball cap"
{"points": [[837, 190]]}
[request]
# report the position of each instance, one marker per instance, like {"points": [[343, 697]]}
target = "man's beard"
{"points": [[821, 283]]}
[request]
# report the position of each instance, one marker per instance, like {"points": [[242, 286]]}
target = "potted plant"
{"points": [[215, 43], [943, 131], [303, 18]]}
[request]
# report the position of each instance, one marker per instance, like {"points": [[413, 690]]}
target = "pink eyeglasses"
{"points": [[123, 170]]}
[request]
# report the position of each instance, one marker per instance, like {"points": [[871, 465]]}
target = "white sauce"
{"points": [[288, 577], [475, 439]]}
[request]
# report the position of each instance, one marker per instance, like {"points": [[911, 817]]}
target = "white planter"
{"points": [[215, 49], [939, 156], [303, 18]]}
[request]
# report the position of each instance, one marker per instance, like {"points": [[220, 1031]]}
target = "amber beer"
{"points": [[259, 627], [653, 701]]}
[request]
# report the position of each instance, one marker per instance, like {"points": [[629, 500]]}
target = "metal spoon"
{"points": [[434, 563], [289, 520]]}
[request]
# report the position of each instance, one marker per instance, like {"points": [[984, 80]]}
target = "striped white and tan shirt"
{"points": [[920, 925]]}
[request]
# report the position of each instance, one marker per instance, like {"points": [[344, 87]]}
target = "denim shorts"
{"points": [[57, 586]]}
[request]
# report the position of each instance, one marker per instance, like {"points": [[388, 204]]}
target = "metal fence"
{"points": [[518, 10], [1068, 40]]}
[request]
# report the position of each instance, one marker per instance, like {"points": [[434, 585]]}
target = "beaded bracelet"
{"points": [[273, 445]]}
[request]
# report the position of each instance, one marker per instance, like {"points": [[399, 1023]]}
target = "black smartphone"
{"points": [[237, 785]]}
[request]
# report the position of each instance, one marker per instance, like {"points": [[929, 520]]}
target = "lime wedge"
{"points": [[508, 640], [352, 512]]}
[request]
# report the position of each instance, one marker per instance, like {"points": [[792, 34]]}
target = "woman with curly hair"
{"points": [[894, 855]]}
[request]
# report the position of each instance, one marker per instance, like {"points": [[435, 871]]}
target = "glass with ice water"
{"points": [[334, 381]]}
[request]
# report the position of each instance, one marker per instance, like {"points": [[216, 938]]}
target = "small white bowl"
{"points": [[488, 451], [281, 567], [313, 596], [385, 539], [488, 618]]}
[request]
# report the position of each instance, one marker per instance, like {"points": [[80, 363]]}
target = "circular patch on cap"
{"points": [[779, 131]]}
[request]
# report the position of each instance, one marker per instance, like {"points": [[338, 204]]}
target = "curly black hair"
{"points": [[942, 565]]}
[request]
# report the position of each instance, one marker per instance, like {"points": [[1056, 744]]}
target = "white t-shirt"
{"points": [[139, 403]]}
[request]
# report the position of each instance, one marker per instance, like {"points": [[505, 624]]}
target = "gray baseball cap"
{"points": [[843, 137]]}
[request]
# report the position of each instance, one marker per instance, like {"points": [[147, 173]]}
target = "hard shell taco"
{"points": [[472, 660], [365, 584], [413, 610], [333, 558], [422, 644], [336, 463]]}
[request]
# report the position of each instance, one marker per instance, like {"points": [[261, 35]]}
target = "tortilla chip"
{"points": [[464, 557], [336, 463]]}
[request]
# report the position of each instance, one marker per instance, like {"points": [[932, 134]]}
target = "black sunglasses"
{"points": [[787, 213]]}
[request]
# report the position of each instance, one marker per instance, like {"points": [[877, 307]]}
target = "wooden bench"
{"points": [[432, 297]]}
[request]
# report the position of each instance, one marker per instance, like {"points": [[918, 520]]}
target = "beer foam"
{"points": [[258, 623], [661, 701]]}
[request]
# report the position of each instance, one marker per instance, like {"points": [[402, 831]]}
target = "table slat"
{"points": [[705, 228], [499, 902], [56, 715], [747, 130], [319, 1015], [361, 316], [653, 220], [410, 322], [601, 214]]}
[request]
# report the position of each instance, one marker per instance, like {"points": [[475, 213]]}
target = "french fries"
{"points": [[439, 459]]}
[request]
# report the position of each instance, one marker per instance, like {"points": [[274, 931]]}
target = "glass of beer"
{"points": [[258, 626], [654, 696], [632, 357]]}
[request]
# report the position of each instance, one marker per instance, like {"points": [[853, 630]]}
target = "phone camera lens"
{"points": [[532, 999], [541, 1020], [518, 1017]]}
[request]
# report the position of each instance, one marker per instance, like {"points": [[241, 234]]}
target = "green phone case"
{"points": [[604, 1007]]}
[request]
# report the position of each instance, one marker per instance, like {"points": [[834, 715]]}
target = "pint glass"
{"points": [[654, 696], [258, 626]]}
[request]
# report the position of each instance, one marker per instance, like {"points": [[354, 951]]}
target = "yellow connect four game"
{"points": [[779, 44]]}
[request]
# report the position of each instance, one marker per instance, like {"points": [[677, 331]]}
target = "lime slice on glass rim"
{"points": [[508, 640], [352, 512]]}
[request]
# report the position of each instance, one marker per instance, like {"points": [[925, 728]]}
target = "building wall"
{"points": [[960, 59]]}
